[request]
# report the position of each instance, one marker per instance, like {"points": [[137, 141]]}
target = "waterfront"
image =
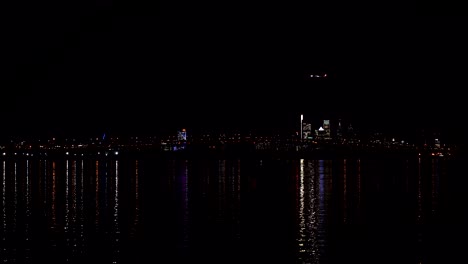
{"points": [[129, 210]]}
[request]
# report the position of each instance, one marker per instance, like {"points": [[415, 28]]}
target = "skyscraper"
{"points": [[300, 125], [326, 128], [182, 135], [339, 132], [306, 131]]}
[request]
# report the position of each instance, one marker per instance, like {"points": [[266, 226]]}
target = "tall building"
{"points": [[326, 128], [306, 131], [339, 131], [182, 135], [320, 133], [300, 125]]}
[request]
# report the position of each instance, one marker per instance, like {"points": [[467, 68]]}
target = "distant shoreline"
{"points": [[219, 154]]}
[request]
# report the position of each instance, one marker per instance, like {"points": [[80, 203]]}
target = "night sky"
{"points": [[103, 66]]}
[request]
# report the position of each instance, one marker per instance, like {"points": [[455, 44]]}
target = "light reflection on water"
{"points": [[308, 216], [312, 214], [28, 220], [136, 212], [54, 195], [4, 214], [46, 209], [15, 200], [80, 210], [115, 222]]}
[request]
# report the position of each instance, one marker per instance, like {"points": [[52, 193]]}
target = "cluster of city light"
{"points": [[325, 135], [318, 75]]}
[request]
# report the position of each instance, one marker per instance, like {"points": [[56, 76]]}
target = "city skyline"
{"points": [[231, 132], [112, 71], [341, 138], [307, 129]]}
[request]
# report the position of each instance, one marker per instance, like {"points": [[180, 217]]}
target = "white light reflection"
{"points": [[4, 209], [116, 227], [54, 195], [72, 228], [80, 210], [15, 198], [67, 206], [136, 219], [96, 191], [27, 254], [307, 214]]}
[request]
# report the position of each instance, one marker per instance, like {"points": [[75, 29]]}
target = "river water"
{"points": [[150, 210]]}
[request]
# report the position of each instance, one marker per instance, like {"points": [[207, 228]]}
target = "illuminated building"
{"points": [[182, 135], [326, 128], [300, 125], [339, 132], [320, 133], [306, 131]]}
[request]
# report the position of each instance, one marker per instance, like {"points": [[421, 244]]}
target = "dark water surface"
{"points": [[154, 210]]}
